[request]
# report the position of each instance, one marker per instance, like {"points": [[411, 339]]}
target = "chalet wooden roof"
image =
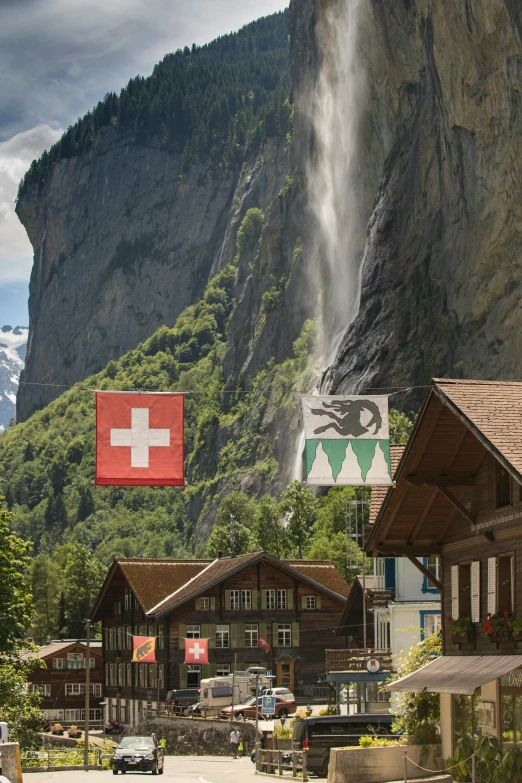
{"points": [[459, 423], [60, 646], [162, 585], [379, 493]]}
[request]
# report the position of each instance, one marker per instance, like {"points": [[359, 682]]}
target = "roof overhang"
{"points": [[457, 674]]}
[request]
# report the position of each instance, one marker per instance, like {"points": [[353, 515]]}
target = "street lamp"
{"points": [[257, 670]]}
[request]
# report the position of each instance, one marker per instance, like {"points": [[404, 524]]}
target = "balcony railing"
{"points": [[355, 660]]}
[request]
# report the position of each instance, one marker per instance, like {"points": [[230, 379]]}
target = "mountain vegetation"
{"points": [[210, 103]]}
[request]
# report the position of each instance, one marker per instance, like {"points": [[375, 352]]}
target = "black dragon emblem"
{"points": [[346, 415]]}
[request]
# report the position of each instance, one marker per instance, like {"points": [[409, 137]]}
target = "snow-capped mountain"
{"points": [[13, 346]]}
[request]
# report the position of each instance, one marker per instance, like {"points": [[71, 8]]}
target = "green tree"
{"points": [[16, 608], [249, 231], [418, 714], [46, 581], [19, 708], [271, 535], [83, 575], [299, 506], [243, 509], [401, 426]]}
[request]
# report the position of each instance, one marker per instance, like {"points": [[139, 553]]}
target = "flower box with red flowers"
{"points": [[502, 625], [461, 629]]}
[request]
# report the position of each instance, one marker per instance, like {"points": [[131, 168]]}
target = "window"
{"points": [[73, 715], [78, 689], [284, 635], [234, 599], [310, 601], [161, 637], [129, 674], [222, 670], [59, 663], [270, 601], [251, 635], [281, 599], [465, 589], [193, 675], [136, 604], [432, 563], [44, 690], [117, 607], [119, 639], [246, 599], [161, 675], [503, 486], [53, 714], [127, 599], [204, 603], [375, 694], [430, 623], [222, 636], [193, 632], [94, 714], [128, 637], [506, 583]]}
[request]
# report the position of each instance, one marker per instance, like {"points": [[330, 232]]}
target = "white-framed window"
{"points": [[44, 689], [73, 715], [281, 599], [94, 714], [234, 599], [205, 603], [78, 689], [284, 635], [310, 601], [112, 676], [222, 670], [270, 599], [53, 714], [193, 632], [246, 599], [222, 636], [120, 674], [432, 623], [129, 674], [127, 599], [59, 663], [251, 635]]}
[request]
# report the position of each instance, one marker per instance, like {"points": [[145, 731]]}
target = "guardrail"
{"points": [[267, 759], [57, 758]]}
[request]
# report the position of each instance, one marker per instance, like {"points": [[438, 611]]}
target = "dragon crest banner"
{"points": [[347, 441]]}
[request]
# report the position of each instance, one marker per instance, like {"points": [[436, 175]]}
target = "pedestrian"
{"points": [[163, 743], [235, 739]]}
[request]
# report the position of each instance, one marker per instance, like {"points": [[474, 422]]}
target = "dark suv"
{"points": [[183, 696], [138, 753], [317, 735]]}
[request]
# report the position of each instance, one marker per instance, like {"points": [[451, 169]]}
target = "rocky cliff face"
{"points": [[441, 274]]}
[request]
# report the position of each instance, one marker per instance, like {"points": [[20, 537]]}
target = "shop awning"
{"points": [[457, 674]]}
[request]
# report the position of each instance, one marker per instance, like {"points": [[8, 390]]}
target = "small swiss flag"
{"points": [[196, 650], [139, 439]]}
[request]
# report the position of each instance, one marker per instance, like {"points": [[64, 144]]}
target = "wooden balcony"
{"points": [[355, 660], [379, 599]]}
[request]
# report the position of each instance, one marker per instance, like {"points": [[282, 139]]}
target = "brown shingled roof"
{"points": [[152, 580], [379, 493], [324, 572]]}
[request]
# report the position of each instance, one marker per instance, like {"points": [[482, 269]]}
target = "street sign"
{"points": [[268, 673], [268, 705], [373, 665]]}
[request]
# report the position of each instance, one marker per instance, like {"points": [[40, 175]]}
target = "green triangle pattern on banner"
{"points": [[310, 452], [335, 450], [385, 446], [365, 452]]}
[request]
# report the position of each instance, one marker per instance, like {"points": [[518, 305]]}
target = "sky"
{"points": [[58, 58]]}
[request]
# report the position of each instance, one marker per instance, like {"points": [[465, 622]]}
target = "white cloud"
{"points": [[15, 157]]}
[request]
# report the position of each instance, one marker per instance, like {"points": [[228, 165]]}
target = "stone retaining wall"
{"points": [[187, 736]]}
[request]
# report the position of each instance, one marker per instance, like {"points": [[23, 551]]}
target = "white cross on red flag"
{"points": [[196, 650], [139, 439]]}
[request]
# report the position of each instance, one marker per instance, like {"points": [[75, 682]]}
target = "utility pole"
{"points": [[87, 693]]}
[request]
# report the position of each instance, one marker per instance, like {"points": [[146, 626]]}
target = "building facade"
{"points": [[457, 497], [61, 684], [232, 601]]}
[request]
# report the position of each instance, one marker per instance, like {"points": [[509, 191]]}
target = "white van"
{"points": [[219, 692]]}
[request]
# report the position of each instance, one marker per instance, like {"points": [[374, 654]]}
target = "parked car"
{"points": [[317, 735], [182, 696], [143, 754], [283, 708], [286, 693]]}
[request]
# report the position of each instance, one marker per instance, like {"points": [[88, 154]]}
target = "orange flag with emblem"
{"points": [[144, 649]]}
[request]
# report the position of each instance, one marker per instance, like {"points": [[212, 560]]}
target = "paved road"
{"points": [[182, 769]]}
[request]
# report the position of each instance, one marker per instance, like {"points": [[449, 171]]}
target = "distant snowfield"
{"points": [[13, 346]]}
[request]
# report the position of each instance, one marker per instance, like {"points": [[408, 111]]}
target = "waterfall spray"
{"points": [[334, 172]]}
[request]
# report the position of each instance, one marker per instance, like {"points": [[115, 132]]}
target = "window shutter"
{"points": [[303, 602], [274, 635], [211, 637], [254, 600], [475, 591], [233, 635], [492, 584], [213, 604], [227, 600], [182, 633], [263, 599], [290, 599], [212, 669], [455, 592], [240, 635], [183, 675], [198, 604], [295, 634], [205, 671], [205, 631], [317, 601]]}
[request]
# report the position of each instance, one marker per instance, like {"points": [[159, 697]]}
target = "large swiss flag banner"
{"points": [[139, 439], [196, 650]]}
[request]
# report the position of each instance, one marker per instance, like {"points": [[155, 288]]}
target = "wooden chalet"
{"points": [[457, 500], [61, 684], [232, 601]]}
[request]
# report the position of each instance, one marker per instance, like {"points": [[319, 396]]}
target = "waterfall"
{"points": [[333, 174]]}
